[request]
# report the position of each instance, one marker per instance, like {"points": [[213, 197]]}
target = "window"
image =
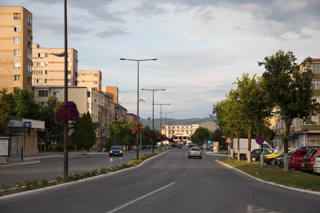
{"points": [[46, 63], [29, 68], [45, 81], [17, 52], [16, 77], [29, 21], [17, 16], [315, 68], [69, 81], [46, 55], [57, 94], [17, 28], [43, 93], [88, 94], [16, 40], [88, 105], [69, 72], [17, 65], [95, 82], [95, 75]]}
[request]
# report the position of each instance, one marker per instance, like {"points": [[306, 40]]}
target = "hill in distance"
{"points": [[207, 122]]}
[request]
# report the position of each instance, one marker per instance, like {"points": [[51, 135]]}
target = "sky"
{"points": [[201, 46]]}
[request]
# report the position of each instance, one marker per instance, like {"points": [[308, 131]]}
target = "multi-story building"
{"points": [[48, 69], [301, 133], [87, 99], [117, 111], [15, 48], [132, 117], [180, 133], [112, 92], [90, 78]]}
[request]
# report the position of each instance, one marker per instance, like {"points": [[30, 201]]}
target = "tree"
{"points": [[254, 105], [86, 135], [200, 136], [290, 89], [25, 106], [4, 112]]}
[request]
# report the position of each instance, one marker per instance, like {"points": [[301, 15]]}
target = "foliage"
{"points": [[67, 112], [4, 111], [109, 143], [85, 135], [121, 131], [24, 104], [200, 136], [290, 89]]}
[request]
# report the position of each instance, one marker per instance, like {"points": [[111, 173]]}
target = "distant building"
{"points": [[15, 48], [48, 69], [90, 78], [179, 133], [132, 117]]}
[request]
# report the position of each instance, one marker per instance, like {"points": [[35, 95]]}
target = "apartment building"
{"points": [[90, 78], [15, 48], [132, 117], [301, 133], [48, 69], [179, 133], [87, 99]]}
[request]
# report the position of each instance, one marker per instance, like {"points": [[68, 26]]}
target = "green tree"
{"points": [[25, 106], [290, 89], [200, 136], [4, 112], [85, 135]]}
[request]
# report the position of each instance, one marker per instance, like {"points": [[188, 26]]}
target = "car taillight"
{"points": [[189, 152], [200, 152]]}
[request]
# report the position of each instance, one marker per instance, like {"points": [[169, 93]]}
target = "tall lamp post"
{"points": [[153, 110], [138, 60], [161, 116], [65, 55]]}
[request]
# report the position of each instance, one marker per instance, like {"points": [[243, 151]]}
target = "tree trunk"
{"points": [[249, 144], [238, 143], [286, 144]]}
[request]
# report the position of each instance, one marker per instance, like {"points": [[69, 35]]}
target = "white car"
{"points": [[195, 152], [316, 165]]}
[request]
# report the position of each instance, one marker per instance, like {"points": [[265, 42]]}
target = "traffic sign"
{"points": [[228, 140], [259, 139]]}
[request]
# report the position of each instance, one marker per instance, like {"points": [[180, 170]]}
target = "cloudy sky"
{"points": [[202, 46]]}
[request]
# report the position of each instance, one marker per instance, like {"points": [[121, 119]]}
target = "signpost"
{"points": [[260, 140], [228, 141]]}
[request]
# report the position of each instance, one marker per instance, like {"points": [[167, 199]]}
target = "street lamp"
{"points": [[138, 60], [65, 55], [153, 110], [161, 116]]}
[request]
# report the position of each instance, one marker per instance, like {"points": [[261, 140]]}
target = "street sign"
{"points": [[259, 139], [228, 140]]}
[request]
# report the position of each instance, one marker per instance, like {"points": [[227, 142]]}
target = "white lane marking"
{"points": [[139, 198], [254, 209]]}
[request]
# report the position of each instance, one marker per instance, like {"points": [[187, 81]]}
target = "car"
{"points": [[104, 150], [144, 147], [279, 161], [269, 159], [116, 151], [316, 166], [255, 154], [195, 152], [309, 159], [179, 146], [295, 159]]}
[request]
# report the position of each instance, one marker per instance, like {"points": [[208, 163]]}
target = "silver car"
{"points": [[195, 152]]}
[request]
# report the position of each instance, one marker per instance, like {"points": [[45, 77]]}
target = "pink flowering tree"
{"points": [[137, 128]]}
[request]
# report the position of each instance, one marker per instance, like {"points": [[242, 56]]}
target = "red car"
{"points": [[308, 160], [296, 158]]}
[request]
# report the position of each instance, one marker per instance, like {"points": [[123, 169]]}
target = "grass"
{"points": [[276, 175]]}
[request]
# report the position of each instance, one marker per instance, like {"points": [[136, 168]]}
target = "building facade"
{"points": [[90, 78], [87, 99], [15, 48], [179, 133], [48, 69], [301, 133]]}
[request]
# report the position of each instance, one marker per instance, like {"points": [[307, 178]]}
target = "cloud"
{"points": [[111, 31]]}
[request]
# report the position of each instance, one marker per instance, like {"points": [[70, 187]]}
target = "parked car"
{"points": [[309, 159], [195, 152], [295, 159], [269, 159], [279, 161], [116, 151], [316, 166], [179, 146], [255, 154], [144, 147]]}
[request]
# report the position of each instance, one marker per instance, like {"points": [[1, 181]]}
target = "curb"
{"points": [[62, 185], [270, 183]]}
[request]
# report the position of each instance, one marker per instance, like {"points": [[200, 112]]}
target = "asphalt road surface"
{"points": [[168, 183]]}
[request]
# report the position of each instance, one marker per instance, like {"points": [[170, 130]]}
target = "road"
{"points": [[168, 183]]}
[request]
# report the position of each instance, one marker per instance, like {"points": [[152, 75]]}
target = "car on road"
{"points": [[255, 154], [195, 152], [179, 146], [309, 159], [116, 151]]}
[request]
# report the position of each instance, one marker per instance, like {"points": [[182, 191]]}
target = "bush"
{"points": [[71, 147], [59, 148]]}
